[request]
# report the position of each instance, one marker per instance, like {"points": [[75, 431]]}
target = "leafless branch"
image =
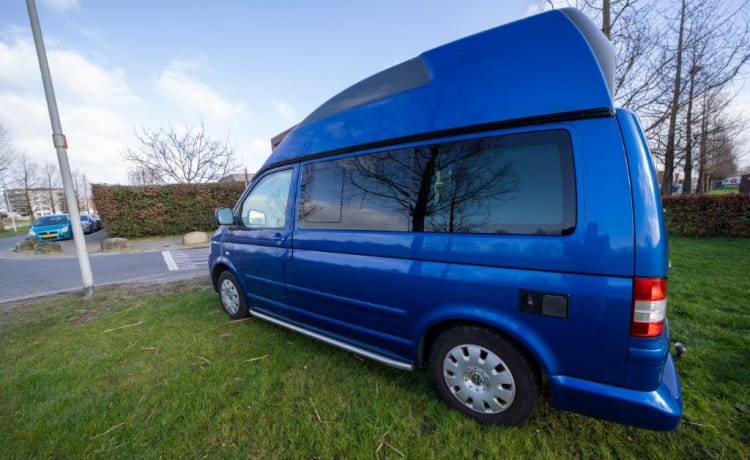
{"points": [[187, 156]]}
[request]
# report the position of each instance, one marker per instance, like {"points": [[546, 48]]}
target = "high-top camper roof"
{"points": [[552, 66]]}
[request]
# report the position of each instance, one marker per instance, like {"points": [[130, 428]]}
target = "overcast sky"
{"points": [[247, 69]]}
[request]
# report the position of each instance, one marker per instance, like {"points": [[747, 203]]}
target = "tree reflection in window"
{"points": [[520, 183]]}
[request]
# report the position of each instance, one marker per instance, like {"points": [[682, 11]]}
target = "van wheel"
{"points": [[484, 375], [232, 298]]}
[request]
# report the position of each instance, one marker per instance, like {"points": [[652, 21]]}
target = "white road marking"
{"points": [[169, 261], [186, 259]]}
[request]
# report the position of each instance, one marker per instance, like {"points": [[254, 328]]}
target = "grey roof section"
{"points": [[600, 46], [402, 77]]}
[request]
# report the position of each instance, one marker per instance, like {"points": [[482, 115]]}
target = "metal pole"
{"points": [[60, 143], [10, 211]]}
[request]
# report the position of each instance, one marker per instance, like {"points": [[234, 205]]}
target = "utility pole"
{"points": [[61, 144], [687, 183], [668, 179], [606, 21], [7, 204]]}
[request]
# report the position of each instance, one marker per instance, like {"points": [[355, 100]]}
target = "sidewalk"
{"points": [[94, 246]]}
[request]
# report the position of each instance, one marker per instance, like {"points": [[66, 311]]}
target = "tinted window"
{"points": [[402, 77], [359, 193], [518, 184]]}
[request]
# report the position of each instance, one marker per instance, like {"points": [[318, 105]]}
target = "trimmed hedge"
{"points": [[158, 210], [708, 215]]}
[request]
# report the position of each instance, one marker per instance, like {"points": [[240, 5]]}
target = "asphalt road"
{"points": [[22, 277]]}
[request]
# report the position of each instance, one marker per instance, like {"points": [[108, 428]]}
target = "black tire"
{"points": [[231, 296], [484, 375]]}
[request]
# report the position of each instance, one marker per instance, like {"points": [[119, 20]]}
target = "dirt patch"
{"points": [[85, 317]]}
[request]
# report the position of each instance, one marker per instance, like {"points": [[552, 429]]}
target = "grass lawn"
{"points": [[22, 228], [726, 190], [157, 371]]}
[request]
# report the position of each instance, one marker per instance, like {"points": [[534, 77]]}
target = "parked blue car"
{"points": [[482, 210], [52, 228]]}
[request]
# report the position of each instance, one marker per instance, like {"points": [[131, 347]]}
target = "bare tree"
{"points": [[6, 151], [182, 157], [6, 163], [666, 183], [669, 54], [722, 162], [718, 132], [629, 25], [142, 176], [718, 48], [28, 177], [82, 190], [51, 178]]}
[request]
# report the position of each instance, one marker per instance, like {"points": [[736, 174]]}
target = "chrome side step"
{"points": [[345, 346]]}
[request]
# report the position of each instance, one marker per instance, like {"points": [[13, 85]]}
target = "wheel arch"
{"points": [[428, 339], [216, 271]]}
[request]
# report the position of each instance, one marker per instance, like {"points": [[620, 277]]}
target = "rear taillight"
{"points": [[649, 307]]}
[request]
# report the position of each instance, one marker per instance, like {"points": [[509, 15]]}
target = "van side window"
{"points": [[514, 184], [367, 192], [266, 205]]}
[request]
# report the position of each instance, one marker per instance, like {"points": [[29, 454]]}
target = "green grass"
{"points": [[726, 190], [20, 227], [157, 371]]}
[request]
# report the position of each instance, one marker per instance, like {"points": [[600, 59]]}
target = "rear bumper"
{"points": [[660, 409]]}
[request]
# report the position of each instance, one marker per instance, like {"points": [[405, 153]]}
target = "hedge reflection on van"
{"points": [[483, 211]]}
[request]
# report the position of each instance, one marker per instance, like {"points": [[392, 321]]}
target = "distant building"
{"points": [[38, 201], [238, 177], [276, 140]]}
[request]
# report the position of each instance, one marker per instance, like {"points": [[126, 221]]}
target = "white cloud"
{"points": [[17, 63], [192, 96], [60, 5], [187, 65], [286, 110], [260, 147], [74, 77], [82, 80], [94, 104], [257, 153]]}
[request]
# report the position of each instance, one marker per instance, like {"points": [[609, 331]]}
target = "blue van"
{"points": [[482, 210]]}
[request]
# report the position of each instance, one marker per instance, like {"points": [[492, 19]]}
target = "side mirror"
{"points": [[257, 218], [224, 216]]}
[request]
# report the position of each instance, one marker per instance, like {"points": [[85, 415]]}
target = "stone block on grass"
{"points": [[195, 238], [48, 248], [29, 244], [115, 244]]}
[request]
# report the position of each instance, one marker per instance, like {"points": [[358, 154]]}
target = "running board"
{"points": [[345, 346]]}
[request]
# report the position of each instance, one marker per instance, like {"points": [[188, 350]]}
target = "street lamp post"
{"points": [[60, 143], [687, 182], [7, 204]]}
